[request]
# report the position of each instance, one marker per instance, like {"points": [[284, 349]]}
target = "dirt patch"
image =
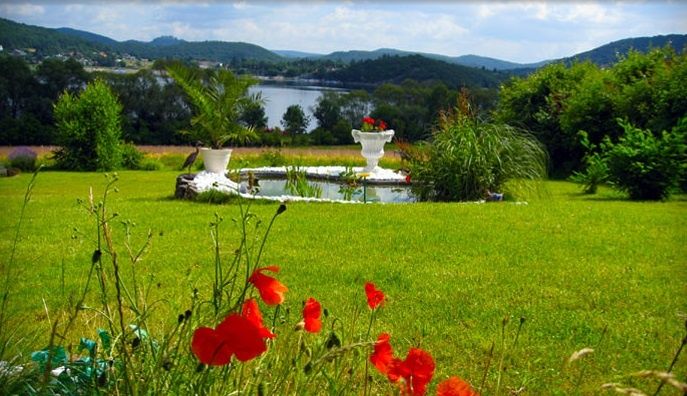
{"points": [[332, 151]]}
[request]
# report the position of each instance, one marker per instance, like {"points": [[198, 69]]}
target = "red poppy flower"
{"points": [[381, 125], [236, 335], [375, 297], [251, 311], [210, 348], [312, 311], [383, 354], [369, 120], [417, 370], [455, 386], [407, 179], [271, 290]]}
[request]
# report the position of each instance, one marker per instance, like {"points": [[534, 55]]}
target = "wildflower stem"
{"points": [[7, 269], [672, 364], [486, 368]]}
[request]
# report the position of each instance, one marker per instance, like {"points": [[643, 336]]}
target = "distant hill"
{"points": [[465, 60], [165, 41], [48, 42], [608, 54], [88, 36], [218, 51], [44, 41], [297, 54], [396, 69]]}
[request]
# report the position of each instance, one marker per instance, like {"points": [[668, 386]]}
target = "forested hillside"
{"points": [[396, 69]]}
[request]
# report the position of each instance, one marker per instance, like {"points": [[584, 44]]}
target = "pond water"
{"points": [[332, 190], [278, 97]]}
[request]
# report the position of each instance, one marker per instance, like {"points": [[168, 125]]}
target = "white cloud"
{"points": [[21, 10]]}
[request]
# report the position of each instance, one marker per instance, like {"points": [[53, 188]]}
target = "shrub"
{"points": [[467, 157], [150, 164], [23, 158], [131, 157], [647, 166], [596, 171], [88, 129]]}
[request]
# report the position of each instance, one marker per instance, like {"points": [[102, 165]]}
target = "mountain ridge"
{"points": [[47, 41]]}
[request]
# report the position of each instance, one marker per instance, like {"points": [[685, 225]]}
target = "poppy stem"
{"points": [[367, 366]]}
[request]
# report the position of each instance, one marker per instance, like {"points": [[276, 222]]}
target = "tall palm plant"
{"points": [[218, 101]]}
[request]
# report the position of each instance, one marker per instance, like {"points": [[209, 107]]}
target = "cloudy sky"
{"points": [[518, 31]]}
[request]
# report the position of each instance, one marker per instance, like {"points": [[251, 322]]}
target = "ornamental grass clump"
{"points": [[467, 158]]}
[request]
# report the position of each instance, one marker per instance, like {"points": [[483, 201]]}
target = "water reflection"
{"points": [[332, 190]]}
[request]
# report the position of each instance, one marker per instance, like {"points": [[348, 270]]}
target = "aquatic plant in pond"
{"points": [[297, 184]]}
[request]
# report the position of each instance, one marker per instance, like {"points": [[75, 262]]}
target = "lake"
{"points": [[278, 97]]}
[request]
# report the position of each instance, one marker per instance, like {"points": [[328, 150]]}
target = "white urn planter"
{"points": [[216, 160], [373, 146]]}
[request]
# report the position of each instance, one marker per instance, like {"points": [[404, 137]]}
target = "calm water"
{"points": [[330, 190], [279, 97]]}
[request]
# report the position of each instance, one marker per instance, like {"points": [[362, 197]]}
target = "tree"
{"points": [[89, 129], [254, 115], [294, 120], [327, 110]]}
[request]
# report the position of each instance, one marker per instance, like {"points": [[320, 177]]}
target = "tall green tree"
{"points": [[294, 120], [89, 129]]}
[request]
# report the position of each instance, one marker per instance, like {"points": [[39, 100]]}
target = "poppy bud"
{"points": [[299, 326], [200, 367], [135, 342], [96, 256], [333, 341], [187, 314], [281, 209], [180, 318]]}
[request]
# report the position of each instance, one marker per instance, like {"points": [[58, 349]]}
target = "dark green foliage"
{"points": [[131, 157], [647, 166], [396, 69], [89, 129], [556, 102], [294, 120], [254, 115], [467, 158], [153, 112], [596, 170]]}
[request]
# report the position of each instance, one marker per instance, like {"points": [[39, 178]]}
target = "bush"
{"points": [[150, 164], [88, 129], [131, 157], [467, 157], [596, 171], [23, 158], [646, 166]]}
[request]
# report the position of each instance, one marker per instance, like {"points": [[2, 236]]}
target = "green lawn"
{"points": [[571, 265]]}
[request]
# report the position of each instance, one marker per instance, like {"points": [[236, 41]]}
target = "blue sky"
{"points": [[517, 31]]}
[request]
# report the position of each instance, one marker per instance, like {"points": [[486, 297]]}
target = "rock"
{"points": [[185, 188]]}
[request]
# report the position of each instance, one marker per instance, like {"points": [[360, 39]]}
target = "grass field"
{"points": [[582, 271]]}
